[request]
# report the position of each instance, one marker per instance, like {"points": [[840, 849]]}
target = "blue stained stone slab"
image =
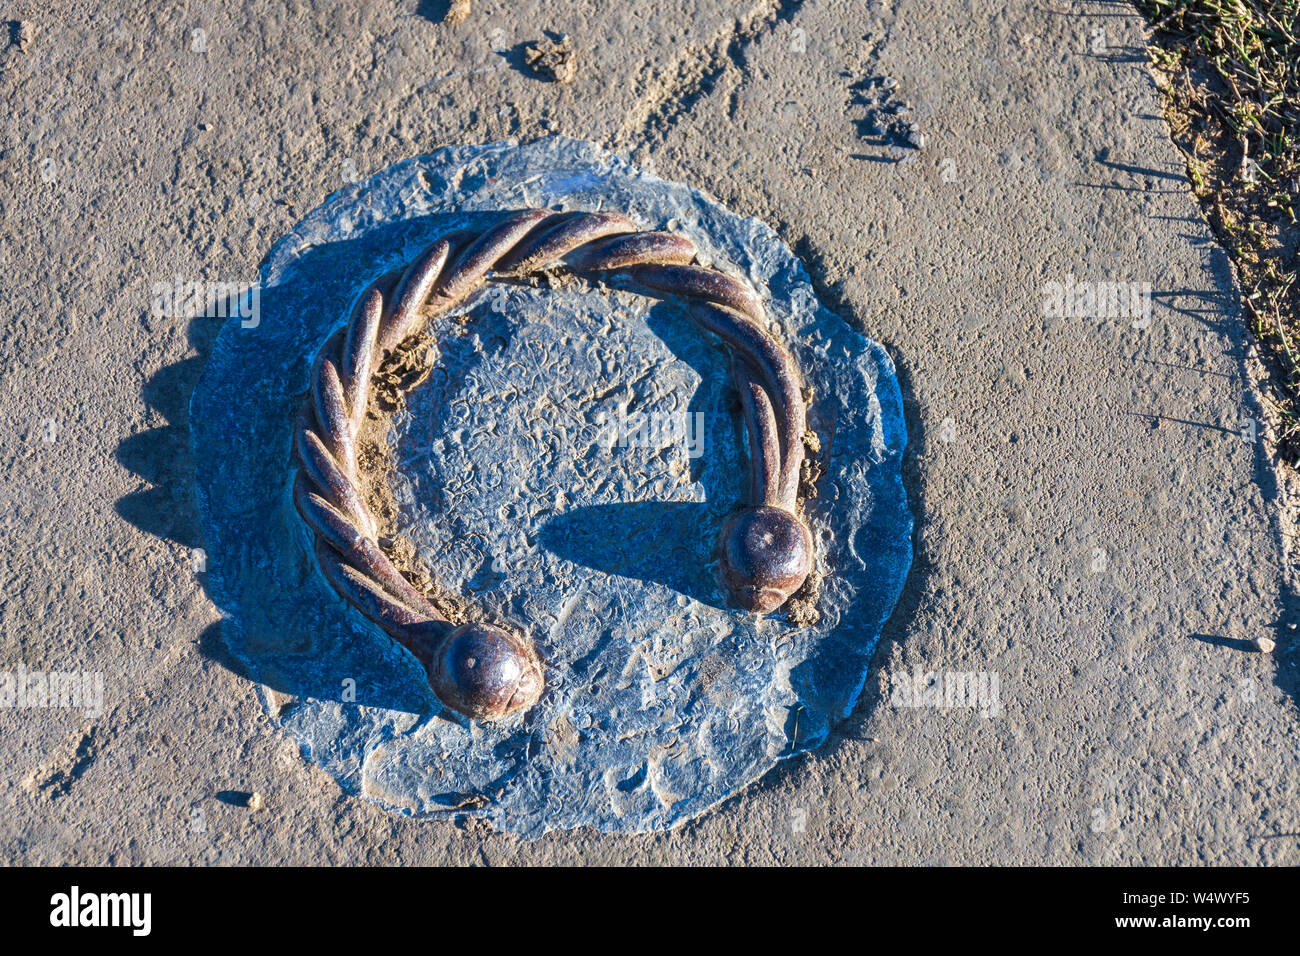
{"points": [[567, 466]]}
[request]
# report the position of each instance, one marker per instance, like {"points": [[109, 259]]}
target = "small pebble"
{"points": [[21, 34], [1264, 645], [255, 802], [554, 59], [458, 12]]}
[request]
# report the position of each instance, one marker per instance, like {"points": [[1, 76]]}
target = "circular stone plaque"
{"points": [[566, 468]]}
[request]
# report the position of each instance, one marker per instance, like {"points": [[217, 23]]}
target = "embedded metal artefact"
{"points": [[482, 671]]}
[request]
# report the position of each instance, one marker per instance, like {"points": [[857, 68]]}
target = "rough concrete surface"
{"points": [[1096, 521]]}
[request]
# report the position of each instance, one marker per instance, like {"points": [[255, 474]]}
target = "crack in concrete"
{"points": [[695, 73], [56, 777]]}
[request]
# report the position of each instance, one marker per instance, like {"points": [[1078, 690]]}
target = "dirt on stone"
{"points": [[554, 59], [400, 373]]}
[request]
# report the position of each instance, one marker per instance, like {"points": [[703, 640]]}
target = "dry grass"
{"points": [[1230, 74]]}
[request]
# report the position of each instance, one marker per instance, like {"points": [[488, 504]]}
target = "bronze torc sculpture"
{"points": [[482, 671]]}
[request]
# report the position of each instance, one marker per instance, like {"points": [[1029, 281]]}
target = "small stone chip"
{"points": [[553, 58], [1264, 645], [255, 802], [21, 34], [458, 12]]}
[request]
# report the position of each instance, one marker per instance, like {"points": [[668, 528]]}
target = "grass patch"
{"points": [[1230, 74]]}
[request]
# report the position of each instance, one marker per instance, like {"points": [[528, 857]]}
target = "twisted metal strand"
{"points": [[760, 425], [412, 292], [730, 309], [359, 353], [483, 671], [550, 244], [623, 252]]}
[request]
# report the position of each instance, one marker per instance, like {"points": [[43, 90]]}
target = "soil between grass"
{"points": [[1229, 75]]}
